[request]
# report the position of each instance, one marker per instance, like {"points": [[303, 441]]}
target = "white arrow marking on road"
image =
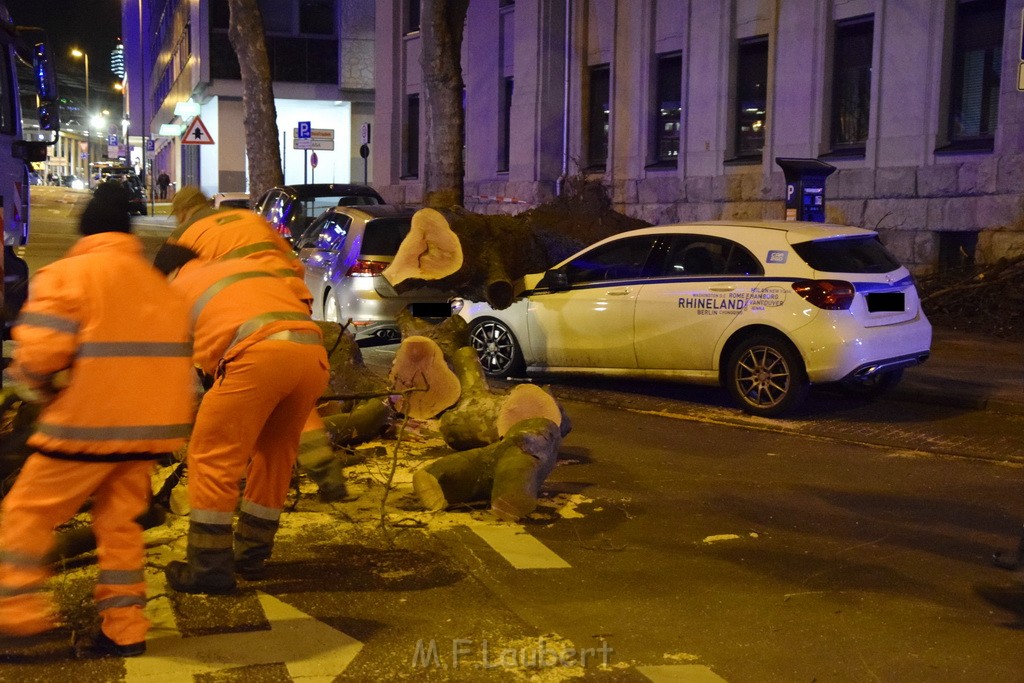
{"points": [[311, 650], [522, 550], [680, 673]]}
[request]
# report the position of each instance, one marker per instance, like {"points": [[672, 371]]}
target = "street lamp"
{"points": [[75, 52]]}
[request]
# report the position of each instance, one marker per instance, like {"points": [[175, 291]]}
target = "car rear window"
{"points": [[848, 255], [383, 235]]}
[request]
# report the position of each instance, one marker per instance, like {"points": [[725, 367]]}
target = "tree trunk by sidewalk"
{"points": [[261, 137], [441, 30]]}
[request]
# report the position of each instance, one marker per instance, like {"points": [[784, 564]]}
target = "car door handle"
{"points": [[722, 288], [618, 292]]}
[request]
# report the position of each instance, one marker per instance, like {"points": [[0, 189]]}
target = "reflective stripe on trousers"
{"points": [[49, 492]]}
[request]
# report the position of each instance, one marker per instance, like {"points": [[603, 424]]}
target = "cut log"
{"points": [[419, 364], [451, 334], [509, 473], [430, 251], [483, 416], [364, 422], [520, 471], [526, 401], [494, 253]]}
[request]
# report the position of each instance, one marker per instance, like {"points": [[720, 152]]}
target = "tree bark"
{"points": [[478, 257], [483, 416], [451, 334], [261, 139], [349, 374], [419, 365], [441, 30], [509, 472]]}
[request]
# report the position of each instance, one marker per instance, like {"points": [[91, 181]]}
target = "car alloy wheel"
{"points": [[497, 348], [766, 376]]}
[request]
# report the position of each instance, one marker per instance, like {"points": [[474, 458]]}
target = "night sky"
{"points": [[92, 25]]}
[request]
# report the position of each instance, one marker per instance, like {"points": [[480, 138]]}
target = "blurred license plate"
{"points": [[442, 310], [881, 302]]}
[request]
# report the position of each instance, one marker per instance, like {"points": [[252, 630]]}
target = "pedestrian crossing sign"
{"points": [[196, 134]]}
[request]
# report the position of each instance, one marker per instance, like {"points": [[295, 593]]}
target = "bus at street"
{"points": [[19, 149]]}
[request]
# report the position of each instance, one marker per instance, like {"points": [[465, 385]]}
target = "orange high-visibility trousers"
{"points": [[49, 492], [249, 425]]}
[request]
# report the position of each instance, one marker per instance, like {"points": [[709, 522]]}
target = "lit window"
{"points": [[668, 103]]}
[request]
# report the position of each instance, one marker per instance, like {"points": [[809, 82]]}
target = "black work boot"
{"points": [[254, 541], [207, 569]]}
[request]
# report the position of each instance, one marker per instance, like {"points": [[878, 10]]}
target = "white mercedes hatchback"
{"points": [[764, 308]]}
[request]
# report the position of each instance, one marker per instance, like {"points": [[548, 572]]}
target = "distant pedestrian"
{"points": [[163, 181], [103, 343]]}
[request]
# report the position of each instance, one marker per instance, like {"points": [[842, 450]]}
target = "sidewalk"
{"points": [[968, 371]]}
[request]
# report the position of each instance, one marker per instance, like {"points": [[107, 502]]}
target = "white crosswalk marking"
{"points": [[522, 550], [680, 673]]}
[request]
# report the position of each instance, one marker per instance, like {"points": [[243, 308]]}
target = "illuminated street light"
{"points": [[75, 52]]}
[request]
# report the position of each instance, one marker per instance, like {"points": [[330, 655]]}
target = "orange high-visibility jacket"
{"points": [[237, 233], [110, 318], [237, 303]]}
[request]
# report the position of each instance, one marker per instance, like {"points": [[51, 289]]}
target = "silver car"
{"points": [[344, 250]]}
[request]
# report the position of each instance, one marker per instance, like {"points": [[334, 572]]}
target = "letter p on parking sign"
{"points": [[305, 129]]}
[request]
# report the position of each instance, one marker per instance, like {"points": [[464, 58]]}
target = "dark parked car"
{"points": [[290, 208]]}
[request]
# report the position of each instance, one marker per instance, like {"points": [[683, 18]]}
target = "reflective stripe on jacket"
{"points": [[235, 304], [238, 233], [111, 320]]}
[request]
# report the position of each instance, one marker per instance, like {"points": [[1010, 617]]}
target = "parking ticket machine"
{"points": [[805, 188]]}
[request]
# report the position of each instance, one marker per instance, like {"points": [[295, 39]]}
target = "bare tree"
{"points": [[261, 138], [441, 30]]}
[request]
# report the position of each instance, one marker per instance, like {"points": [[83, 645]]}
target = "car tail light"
{"points": [[366, 268], [832, 295]]}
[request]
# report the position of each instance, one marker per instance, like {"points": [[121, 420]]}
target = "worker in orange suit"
{"points": [[104, 343], [267, 366], [207, 234]]}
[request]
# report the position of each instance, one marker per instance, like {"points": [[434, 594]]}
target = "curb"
{"points": [[967, 402]]}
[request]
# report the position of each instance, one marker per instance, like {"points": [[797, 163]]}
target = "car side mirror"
{"points": [[555, 280]]}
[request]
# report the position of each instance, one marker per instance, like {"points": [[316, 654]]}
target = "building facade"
{"points": [[321, 60], [681, 107]]}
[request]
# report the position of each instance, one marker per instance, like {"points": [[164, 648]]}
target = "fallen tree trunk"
{"points": [[363, 422], [450, 334], [509, 473], [419, 365], [483, 416], [481, 257]]}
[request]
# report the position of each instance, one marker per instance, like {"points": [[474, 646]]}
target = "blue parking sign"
{"points": [[305, 129]]}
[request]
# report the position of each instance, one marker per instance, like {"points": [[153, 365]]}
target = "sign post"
{"points": [[364, 151], [312, 164]]}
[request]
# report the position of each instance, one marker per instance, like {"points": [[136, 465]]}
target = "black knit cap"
{"points": [[107, 211]]}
